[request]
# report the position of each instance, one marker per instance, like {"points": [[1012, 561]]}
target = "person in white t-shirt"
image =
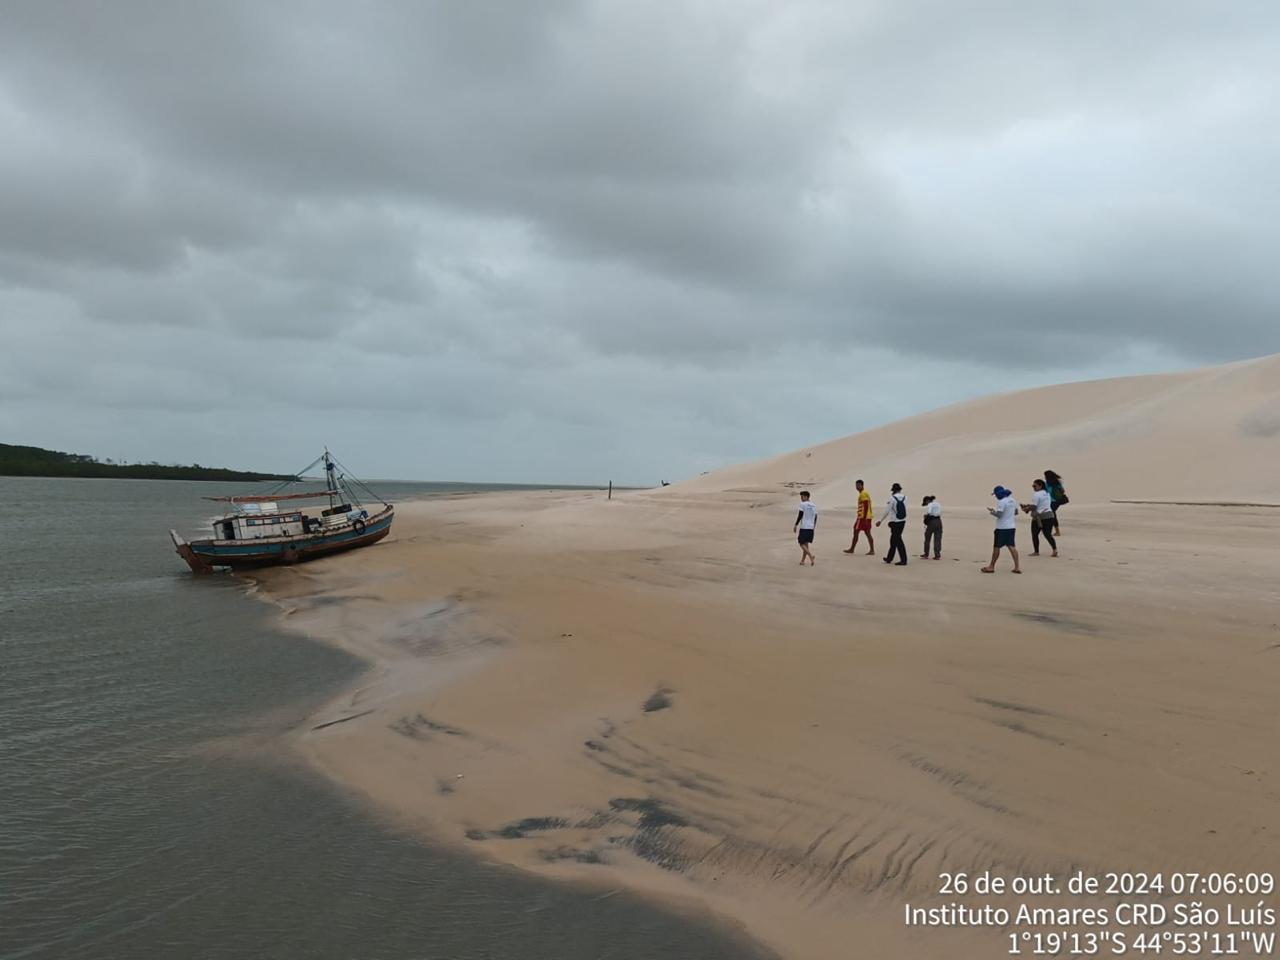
{"points": [[932, 527], [805, 526], [1042, 517], [1006, 513]]}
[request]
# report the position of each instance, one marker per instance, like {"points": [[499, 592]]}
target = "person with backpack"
{"points": [[1057, 496], [895, 511], [932, 527]]}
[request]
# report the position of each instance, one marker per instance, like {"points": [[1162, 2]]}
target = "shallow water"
{"points": [[127, 831]]}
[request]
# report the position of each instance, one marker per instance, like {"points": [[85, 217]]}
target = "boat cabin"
{"points": [[254, 521]]}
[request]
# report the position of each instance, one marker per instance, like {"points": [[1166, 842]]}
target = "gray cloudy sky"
{"points": [[574, 241]]}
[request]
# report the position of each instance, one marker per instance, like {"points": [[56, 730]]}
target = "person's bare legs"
{"points": [[1017, 565], [995, 555], [871, 549]]}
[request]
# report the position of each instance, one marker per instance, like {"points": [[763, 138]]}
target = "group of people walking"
{"points": [[1048, 495]]}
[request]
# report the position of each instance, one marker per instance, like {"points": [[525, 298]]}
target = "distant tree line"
{"points": [[16, 461]]}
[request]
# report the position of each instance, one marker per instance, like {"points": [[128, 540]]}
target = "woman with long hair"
{"points": [[1041, 510], [1057, 497]]}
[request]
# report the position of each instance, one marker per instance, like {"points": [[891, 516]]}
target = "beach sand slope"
{"points": [[649, 692]]}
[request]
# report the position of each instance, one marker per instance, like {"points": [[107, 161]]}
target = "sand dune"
{"points": [[650, 692], [1206, 434]]}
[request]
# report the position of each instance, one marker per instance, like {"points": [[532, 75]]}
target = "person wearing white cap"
{"points": [[1006, 513]]}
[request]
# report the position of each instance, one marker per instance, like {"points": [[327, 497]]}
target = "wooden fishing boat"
{"points": [[266, 528]]}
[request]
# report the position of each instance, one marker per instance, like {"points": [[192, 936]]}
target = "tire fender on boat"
{"points": [[358, 526], [289, 555]]}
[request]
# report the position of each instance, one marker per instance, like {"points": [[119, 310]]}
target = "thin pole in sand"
{"points": [[610, 497]]}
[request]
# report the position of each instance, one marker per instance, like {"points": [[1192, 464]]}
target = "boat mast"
{"points": [[330, 480]]}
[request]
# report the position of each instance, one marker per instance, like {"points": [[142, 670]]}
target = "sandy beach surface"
{"points": [[649, 692]]}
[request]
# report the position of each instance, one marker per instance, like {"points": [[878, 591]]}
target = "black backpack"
{"points": [[900, 508]]}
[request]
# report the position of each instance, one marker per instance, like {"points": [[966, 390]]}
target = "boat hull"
{"points": [[203, 556]]}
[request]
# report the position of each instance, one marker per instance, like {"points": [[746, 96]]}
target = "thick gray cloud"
{"points": [[580, 240]]}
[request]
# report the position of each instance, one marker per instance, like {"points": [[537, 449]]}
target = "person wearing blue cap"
{"points": [[1006, 513]]}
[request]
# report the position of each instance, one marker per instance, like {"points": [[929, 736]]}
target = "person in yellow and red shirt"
{"points": [[863, 523]]}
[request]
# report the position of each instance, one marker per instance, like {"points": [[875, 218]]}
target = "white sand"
{"points": [[837, 736]]}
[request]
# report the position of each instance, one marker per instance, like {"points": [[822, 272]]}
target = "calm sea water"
{"points": [[125, 834]]}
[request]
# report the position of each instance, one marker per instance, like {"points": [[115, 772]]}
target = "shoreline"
{"points": [[797, 777], [290, 743], [372, 651]]}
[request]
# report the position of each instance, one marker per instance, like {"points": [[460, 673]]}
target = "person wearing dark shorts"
{"points": [[1006, 513], [805, 526]]}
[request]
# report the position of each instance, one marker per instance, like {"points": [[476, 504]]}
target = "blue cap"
{"points": [[1000, 493]]}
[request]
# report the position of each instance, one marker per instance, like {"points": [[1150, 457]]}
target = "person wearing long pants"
{"points": [[932, 527], [1057, 497], [1043, 519], [896, 543], [1038, 527], [895, 511]]}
